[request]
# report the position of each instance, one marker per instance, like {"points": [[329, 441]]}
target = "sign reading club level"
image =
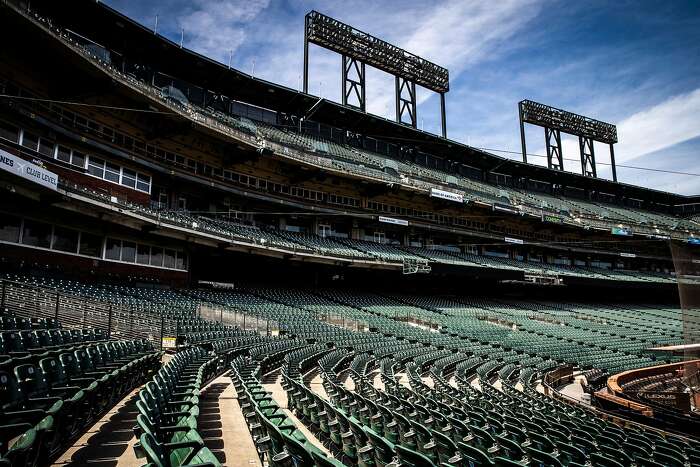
{"points": [[27, 170]]}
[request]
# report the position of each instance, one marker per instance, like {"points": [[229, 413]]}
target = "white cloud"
{"points": [[215, 28], [458, 34], [673, 121]]}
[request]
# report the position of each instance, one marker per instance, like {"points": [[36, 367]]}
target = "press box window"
{"points": [[181, 260], [46, 147], [129, 178], [65, 239], [96, 167], [36, 234], [113, 249], [143, 254], [143, 183], [90, 245], [128, 252], [169, 259], [156, 256], [63, 154], [9, 228], [78, 159], [30, 141], [112, 172]]}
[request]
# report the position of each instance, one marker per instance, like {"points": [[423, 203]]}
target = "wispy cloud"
{"points": [[217, 29], [673, 121]]}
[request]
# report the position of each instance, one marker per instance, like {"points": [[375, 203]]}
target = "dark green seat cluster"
{"points": [[50, 395], [463, 420], [278, 440], [168, 405], [21, 336]]}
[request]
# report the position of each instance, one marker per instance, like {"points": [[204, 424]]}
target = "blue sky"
{"points": [[632, 63]]}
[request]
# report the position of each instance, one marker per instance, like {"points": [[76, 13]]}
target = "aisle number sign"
{"points": [[169, 342]]}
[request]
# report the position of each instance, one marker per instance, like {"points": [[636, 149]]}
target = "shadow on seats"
{"points": [[209, 423], [111, 440]]}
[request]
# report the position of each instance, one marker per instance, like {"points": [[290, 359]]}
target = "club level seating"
{"points": [[308, 243], [612, 338]]}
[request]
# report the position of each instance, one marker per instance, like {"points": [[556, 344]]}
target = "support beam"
{"points": [[306, 55], [406, 101], [443, 115], [522, 132], [353, 92], [587, 156], [612, 162], [552, 139]]}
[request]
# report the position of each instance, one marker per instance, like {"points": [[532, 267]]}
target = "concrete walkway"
{"points": [[110, 441], [476, 383], [316, 385], [575, 390], [223, 427]]}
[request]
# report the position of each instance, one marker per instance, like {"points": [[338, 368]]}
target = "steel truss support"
{"points": [[353, 82], [587, 156], [612, 162], [522, 131], [406, 101], [443, 115], [552, 139]]}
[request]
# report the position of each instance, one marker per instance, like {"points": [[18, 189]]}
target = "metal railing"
{"points": [[234, 317], [118, 319]]}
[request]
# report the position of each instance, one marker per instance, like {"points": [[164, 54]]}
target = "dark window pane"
{"points": [[143, 255], [9, 228], [63, 154], [65, 239], [90, 245], [128, 178], [36, 234], [112, 172], [128, 252], [96, 167], [78, 159], [181, 260], [30, 141], [156, 256], [143, 183], [8, 131], [113, 249], [169, 259], [46, 147]]}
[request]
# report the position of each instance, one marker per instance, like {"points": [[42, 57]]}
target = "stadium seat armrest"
{"points": [[44, 400], [10, 431]]}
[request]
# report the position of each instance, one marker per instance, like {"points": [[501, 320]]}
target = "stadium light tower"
{"points": [[555, 121], [358, 49]]}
